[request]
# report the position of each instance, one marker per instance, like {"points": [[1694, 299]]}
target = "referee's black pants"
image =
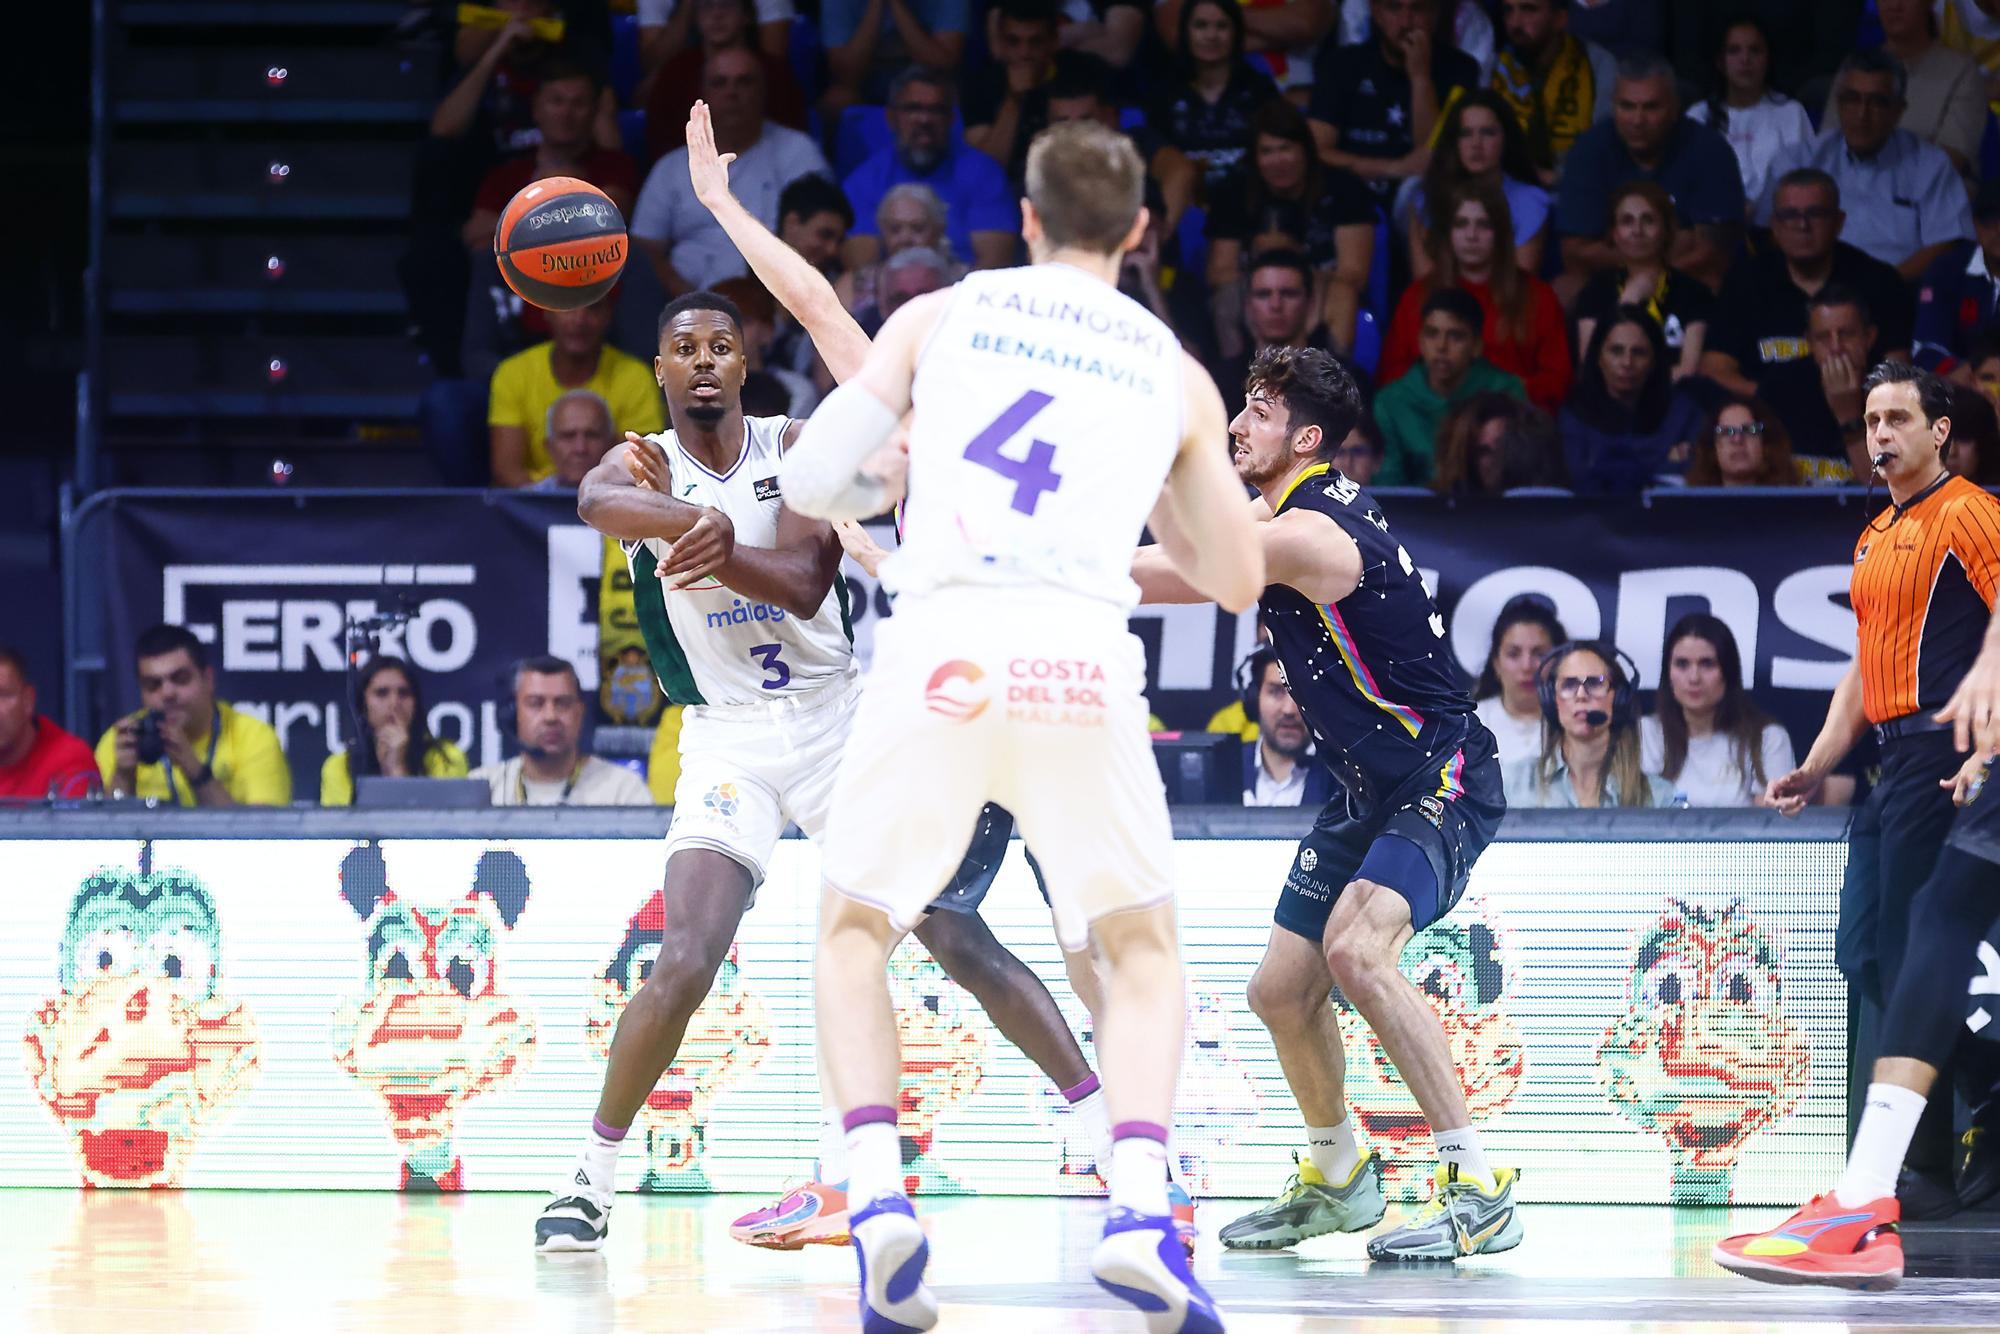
{"points": [[1893, 846]]}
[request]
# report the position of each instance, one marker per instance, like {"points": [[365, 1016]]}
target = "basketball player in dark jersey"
{"points": [[1363, 650]]}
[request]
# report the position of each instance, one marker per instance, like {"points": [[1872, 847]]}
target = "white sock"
{"points": [[1887, 1124], [1333, 1150], [600, 1162], [1460, 1149], [1096, 1123], [1139, 1175], [874, 1163], [832, 1165]]}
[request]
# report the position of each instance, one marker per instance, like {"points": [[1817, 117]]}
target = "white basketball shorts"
{"points": [[1035, 701], [748, 770]]}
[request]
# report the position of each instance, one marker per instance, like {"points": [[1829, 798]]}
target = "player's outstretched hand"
{"points": [[708, 170], [1974, 708], [856, 542], [1790, 792], [701, 551], [647, 463]]}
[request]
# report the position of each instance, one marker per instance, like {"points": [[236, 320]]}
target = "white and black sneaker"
{"points": [[575, 1222]]}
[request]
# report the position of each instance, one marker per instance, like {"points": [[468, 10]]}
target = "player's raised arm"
{"points": [[796, 285], [1205, 530], [615, 499], [835, 470]]}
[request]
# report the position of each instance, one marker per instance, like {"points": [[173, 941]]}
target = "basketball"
{"points": [[560, 243]]}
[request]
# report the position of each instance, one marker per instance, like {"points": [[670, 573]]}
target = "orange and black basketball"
{"points": [[561, 243]]}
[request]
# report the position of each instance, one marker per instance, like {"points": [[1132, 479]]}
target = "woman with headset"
{"points": [[1590, 736], [394, 741]]}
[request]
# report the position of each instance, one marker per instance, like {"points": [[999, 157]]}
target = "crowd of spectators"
{"points": [[1664, 217]]}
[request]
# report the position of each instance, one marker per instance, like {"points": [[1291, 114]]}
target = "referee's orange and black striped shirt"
{"points": [[1923, 591]]}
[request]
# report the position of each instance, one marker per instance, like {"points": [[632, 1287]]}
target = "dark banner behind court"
{"points": [[268, 578]]}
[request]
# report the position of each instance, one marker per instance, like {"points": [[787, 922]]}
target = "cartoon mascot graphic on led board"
{"points": [[944, 1058], [727, 1039], [1461, 968], [434, 1030], [141, 1049], [1704, 1056]]}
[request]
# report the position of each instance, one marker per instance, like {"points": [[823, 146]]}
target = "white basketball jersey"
{"points": [[713, 646], [1048, 411]]}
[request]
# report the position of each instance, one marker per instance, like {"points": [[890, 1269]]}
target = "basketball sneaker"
{"points": [[575, 1220], [805, 1214], [1459, 1219], [1141, 1261], [1825, 1242], [1312, 1206], [1181, 1206], [892, 1249]]}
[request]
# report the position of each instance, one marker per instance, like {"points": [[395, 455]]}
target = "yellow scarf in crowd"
{"points": [[1554, 107]]}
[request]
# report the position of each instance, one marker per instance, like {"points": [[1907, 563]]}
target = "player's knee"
{"points": [[684, 969], [1279, 1003]]}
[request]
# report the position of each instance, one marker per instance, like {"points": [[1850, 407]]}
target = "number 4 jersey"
{"points": [[1048, 410], [708, 644]]}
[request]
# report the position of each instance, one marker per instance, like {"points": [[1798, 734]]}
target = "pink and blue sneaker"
{"points": [[1141, 1261]]}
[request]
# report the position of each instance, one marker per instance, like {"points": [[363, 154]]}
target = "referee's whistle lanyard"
{"points": [[1898, 509], [167, 765]]}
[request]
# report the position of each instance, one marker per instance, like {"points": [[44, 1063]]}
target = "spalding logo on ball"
{"points": [[560, 243]]}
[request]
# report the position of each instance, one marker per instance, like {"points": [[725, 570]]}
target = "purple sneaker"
{"points": [[1141, 1261], [892, 1250]]}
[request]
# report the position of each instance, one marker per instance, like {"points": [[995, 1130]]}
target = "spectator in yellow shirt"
{"points": [[395, 740], [211, 754], [527, 384]]}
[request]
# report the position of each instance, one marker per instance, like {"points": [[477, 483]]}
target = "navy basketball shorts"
{"points": [[975, 875], [1448, 813]]}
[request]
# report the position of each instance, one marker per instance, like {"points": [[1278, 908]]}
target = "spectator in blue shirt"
{"points": [[983, 219], [869, 41], [1905, 204], [1625, 426], [1960, 293], [1648, 137]]}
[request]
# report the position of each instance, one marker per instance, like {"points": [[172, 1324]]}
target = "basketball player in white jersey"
{"points": [[1052, 416]]}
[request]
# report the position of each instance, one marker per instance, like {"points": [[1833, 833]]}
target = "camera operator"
{"points": [[183, 745], [552, 768]]}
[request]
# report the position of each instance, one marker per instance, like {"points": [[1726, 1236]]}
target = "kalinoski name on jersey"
{"points": [[1096, 319]]}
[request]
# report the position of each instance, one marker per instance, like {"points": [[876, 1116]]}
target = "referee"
{"points": [[1925, 573]]}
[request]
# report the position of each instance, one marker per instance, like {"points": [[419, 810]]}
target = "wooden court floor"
{"points": [[218, 1262]]}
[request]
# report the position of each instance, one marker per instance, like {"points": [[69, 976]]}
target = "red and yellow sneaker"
{"points": [[1825, 1242], [811, 1213], [1181, 1205]]}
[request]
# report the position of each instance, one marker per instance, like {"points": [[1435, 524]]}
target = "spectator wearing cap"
{"points": [[1286, 199], [1756, 119], [1945, 98], [1450, 367], [1760, 343], [526, 386], [1278, 767], [1626, 427], [1647, 137], [1278, 312], [211, 753], [870, 43], [1905, 202], [684, 243], [580, 431], [1960, 292], [38, 759], [1473, 250], [1375, 102], [1556, 83], [982, 215]]}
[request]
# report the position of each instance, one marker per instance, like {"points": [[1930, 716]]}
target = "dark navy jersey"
{"points": [[1372, 673]]}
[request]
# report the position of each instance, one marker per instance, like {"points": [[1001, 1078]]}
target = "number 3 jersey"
{"points": [[710, 645], [1372, 673], [1048, 410]]}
